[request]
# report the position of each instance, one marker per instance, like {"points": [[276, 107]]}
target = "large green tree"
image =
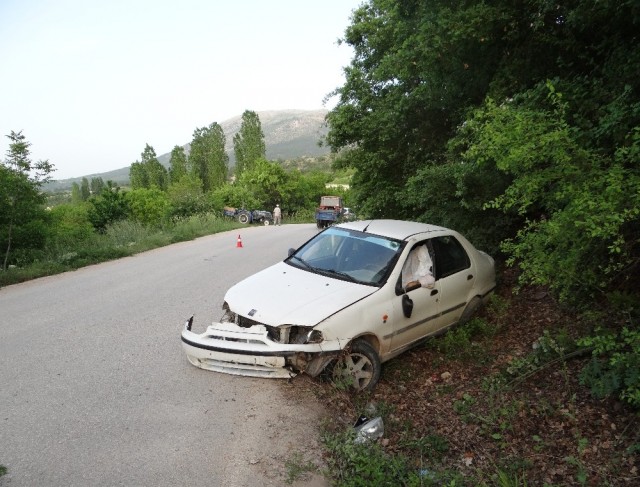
{"points": [[97, 185], [177, 164], [208, 159], [248, 143], [158, 175], [22, 215], [513, 122], [148, 173], [266, 180], [85, 190]]}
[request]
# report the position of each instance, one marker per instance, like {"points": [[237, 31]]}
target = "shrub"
{"points": [[615, 365], [149, 206]]}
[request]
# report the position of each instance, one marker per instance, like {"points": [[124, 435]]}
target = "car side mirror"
{"points": [[291, 252], [407, 305]]}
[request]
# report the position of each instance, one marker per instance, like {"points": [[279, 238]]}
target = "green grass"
{"points": [[121, 239]]}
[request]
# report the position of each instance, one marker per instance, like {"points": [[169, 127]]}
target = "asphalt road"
{"points": [[95, 388]]}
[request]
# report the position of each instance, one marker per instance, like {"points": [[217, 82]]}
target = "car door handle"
{"points": [[434, 292], [469, 277]]}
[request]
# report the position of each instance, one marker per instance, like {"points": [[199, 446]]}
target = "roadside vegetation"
{"points": [[517, 124], [500, 401], [43, 234]]}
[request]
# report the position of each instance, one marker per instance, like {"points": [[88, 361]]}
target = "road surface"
{"points": [[95, 388]]}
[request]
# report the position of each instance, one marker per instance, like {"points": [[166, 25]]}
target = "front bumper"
{"points": [[229, 348]]}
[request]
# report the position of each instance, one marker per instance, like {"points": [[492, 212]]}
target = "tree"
{"points": [[208, 159], [138, 177], [97, 185], [266, 180], [76, 196], [248, 143], [177, 164], [85, 190], [148, 173], [22, 216], [523, 116], [157, 173], [109, 206]]}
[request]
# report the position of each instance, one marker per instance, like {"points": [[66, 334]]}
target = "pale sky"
{"points": [[90, 82]]}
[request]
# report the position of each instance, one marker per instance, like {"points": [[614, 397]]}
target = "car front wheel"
{"points": [[358, 367]]}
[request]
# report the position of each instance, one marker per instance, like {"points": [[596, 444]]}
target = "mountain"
{"points": [[288, 134]]}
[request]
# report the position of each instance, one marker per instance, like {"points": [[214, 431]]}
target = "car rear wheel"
{"points": [[358, 367], [470, 309]]}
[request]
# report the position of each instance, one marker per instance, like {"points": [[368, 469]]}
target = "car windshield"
{"points": [[349, 255]]}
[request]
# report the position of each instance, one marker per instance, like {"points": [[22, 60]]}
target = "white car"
{"points": [[345, 302]]}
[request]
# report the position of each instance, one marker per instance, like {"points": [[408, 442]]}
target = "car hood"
{"points": [[283, 294]]}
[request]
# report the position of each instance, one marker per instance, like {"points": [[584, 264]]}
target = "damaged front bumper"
{"points": [[248, 351]]}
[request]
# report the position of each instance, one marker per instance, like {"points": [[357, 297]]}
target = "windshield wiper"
{"points": [[304, 263], [341, 274]]}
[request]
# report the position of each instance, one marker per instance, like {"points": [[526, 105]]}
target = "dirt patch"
{"points": [[278, 439]]}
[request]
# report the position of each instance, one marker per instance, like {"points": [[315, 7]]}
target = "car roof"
{"points": [[397, 229]]}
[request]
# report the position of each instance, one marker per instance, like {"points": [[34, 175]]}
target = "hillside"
{"points": [[289, 134]]}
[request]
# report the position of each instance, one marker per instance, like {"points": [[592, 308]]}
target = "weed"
{"points": [[363, 464], [463, 407], [432, 446], [297, 468], [505, 479], [457, 342], [497, 306]]}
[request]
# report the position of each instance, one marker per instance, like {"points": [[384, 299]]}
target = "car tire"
{"points": [[469, 310], [358, 367], [243, 218]]}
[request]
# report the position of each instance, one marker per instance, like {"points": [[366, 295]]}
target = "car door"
{"points": [[425, 317], [455, 275]]}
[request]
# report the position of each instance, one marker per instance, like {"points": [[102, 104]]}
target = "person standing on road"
{"points": [[277, 215]]}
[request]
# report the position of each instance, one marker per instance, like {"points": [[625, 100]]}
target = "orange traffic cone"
{"points": [[239, 243]]}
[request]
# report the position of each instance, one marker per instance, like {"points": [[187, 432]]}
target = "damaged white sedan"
{"points": [[351, 298]]}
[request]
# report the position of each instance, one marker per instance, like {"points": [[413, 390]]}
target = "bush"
{"points": [[149, 206], [615, 365], [69, 226]]}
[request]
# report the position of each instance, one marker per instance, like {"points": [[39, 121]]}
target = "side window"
{"points": [[450, 256]]}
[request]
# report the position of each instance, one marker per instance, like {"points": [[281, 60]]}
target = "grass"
{"points": [[298, 469], [121, 239]]}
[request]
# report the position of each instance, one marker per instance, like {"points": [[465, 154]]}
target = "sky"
{"points": [[91, 82]]}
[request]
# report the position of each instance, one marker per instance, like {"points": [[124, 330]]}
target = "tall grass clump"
{"points": [[200, 225]]}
